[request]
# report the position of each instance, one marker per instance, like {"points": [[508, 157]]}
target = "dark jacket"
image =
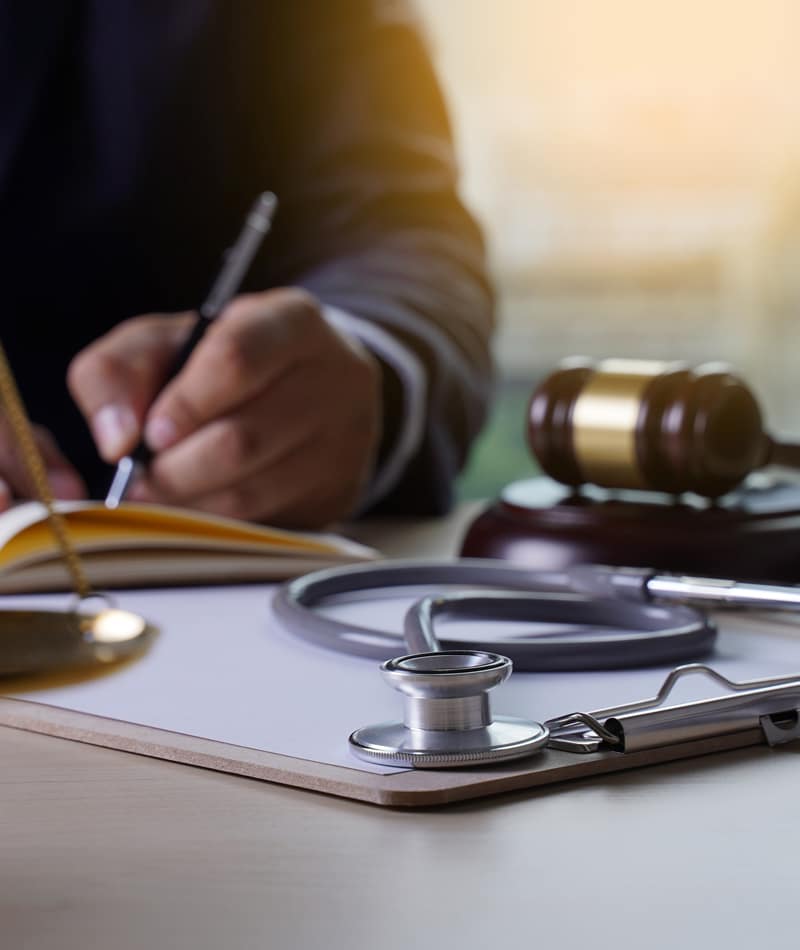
{"points": [[135, 133]]}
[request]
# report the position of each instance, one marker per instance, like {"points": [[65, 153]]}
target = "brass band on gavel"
{"points": [[649, 424]]}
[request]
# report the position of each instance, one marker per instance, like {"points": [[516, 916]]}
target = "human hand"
{"points": [[275, 417], [15, 480]]}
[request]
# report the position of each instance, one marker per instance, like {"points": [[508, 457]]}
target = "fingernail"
{"points": [[114, 429], [160, 433]]}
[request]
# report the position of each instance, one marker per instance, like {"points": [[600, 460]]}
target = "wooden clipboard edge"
{"points": [[405, 788]]}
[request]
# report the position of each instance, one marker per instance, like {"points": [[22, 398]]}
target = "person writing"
{"points": [[353, 370]]}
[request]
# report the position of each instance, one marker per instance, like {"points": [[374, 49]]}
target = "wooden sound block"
{"points": [[752, 534]]}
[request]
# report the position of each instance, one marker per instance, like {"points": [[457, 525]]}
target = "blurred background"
{"points": [[636, 167]]}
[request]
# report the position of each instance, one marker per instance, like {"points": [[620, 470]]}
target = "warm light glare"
{"points": [[636, 165], [116, 626]]}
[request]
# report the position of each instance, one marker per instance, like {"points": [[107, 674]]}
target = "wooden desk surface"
{"points": [[105, 849]]}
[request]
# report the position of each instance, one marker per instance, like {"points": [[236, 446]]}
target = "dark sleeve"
{"points": [[371, 223]]}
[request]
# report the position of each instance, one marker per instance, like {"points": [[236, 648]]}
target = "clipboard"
{"points": [[155, 706]]}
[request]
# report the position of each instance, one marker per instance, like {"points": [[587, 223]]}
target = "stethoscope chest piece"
{"points": [[447, 721]]}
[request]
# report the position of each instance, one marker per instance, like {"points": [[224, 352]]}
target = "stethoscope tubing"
{"points": [[610, 634]]}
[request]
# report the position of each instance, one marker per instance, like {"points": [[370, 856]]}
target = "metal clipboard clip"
{"points": [[769, 704]]}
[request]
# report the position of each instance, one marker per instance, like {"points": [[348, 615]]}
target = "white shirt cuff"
{"points": [[411, 373]]}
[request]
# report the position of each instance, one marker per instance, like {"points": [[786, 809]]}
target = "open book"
{"points": [[154, 545]]}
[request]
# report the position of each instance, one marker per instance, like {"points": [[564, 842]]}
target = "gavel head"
{"points": [[647, 424]]}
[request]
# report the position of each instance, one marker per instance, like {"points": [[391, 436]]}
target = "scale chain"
{"points": [[23, 432]]}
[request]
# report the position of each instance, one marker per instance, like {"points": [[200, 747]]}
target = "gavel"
{"points": [[661, 426]]}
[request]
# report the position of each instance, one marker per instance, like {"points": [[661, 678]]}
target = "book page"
{"points": [[26, 536]]}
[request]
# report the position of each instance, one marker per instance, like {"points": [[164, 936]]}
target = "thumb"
{"points": [[116, 378]]}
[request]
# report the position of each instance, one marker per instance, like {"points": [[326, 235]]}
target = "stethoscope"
{"points": [[611, 621]]}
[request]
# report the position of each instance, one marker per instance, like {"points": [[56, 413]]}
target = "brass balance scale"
{"points": [[92, 632]]}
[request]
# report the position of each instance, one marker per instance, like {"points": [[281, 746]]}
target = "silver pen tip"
{"points": [[121, 481]]}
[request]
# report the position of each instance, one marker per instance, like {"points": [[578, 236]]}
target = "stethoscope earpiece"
{"points": [[447, 722]]}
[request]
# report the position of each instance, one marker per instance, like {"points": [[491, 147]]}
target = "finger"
{"points": [[250, 439], [63, 479], [116, 378], [256, 340], [294, 492], [6, 495]]}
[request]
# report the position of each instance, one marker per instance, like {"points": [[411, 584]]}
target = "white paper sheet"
{"points": [[223, 669]]}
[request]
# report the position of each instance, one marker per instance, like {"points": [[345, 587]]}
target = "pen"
{"points": [[237, 261]]}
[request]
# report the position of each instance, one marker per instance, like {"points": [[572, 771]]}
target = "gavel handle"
{"points": [[783, 453]]}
